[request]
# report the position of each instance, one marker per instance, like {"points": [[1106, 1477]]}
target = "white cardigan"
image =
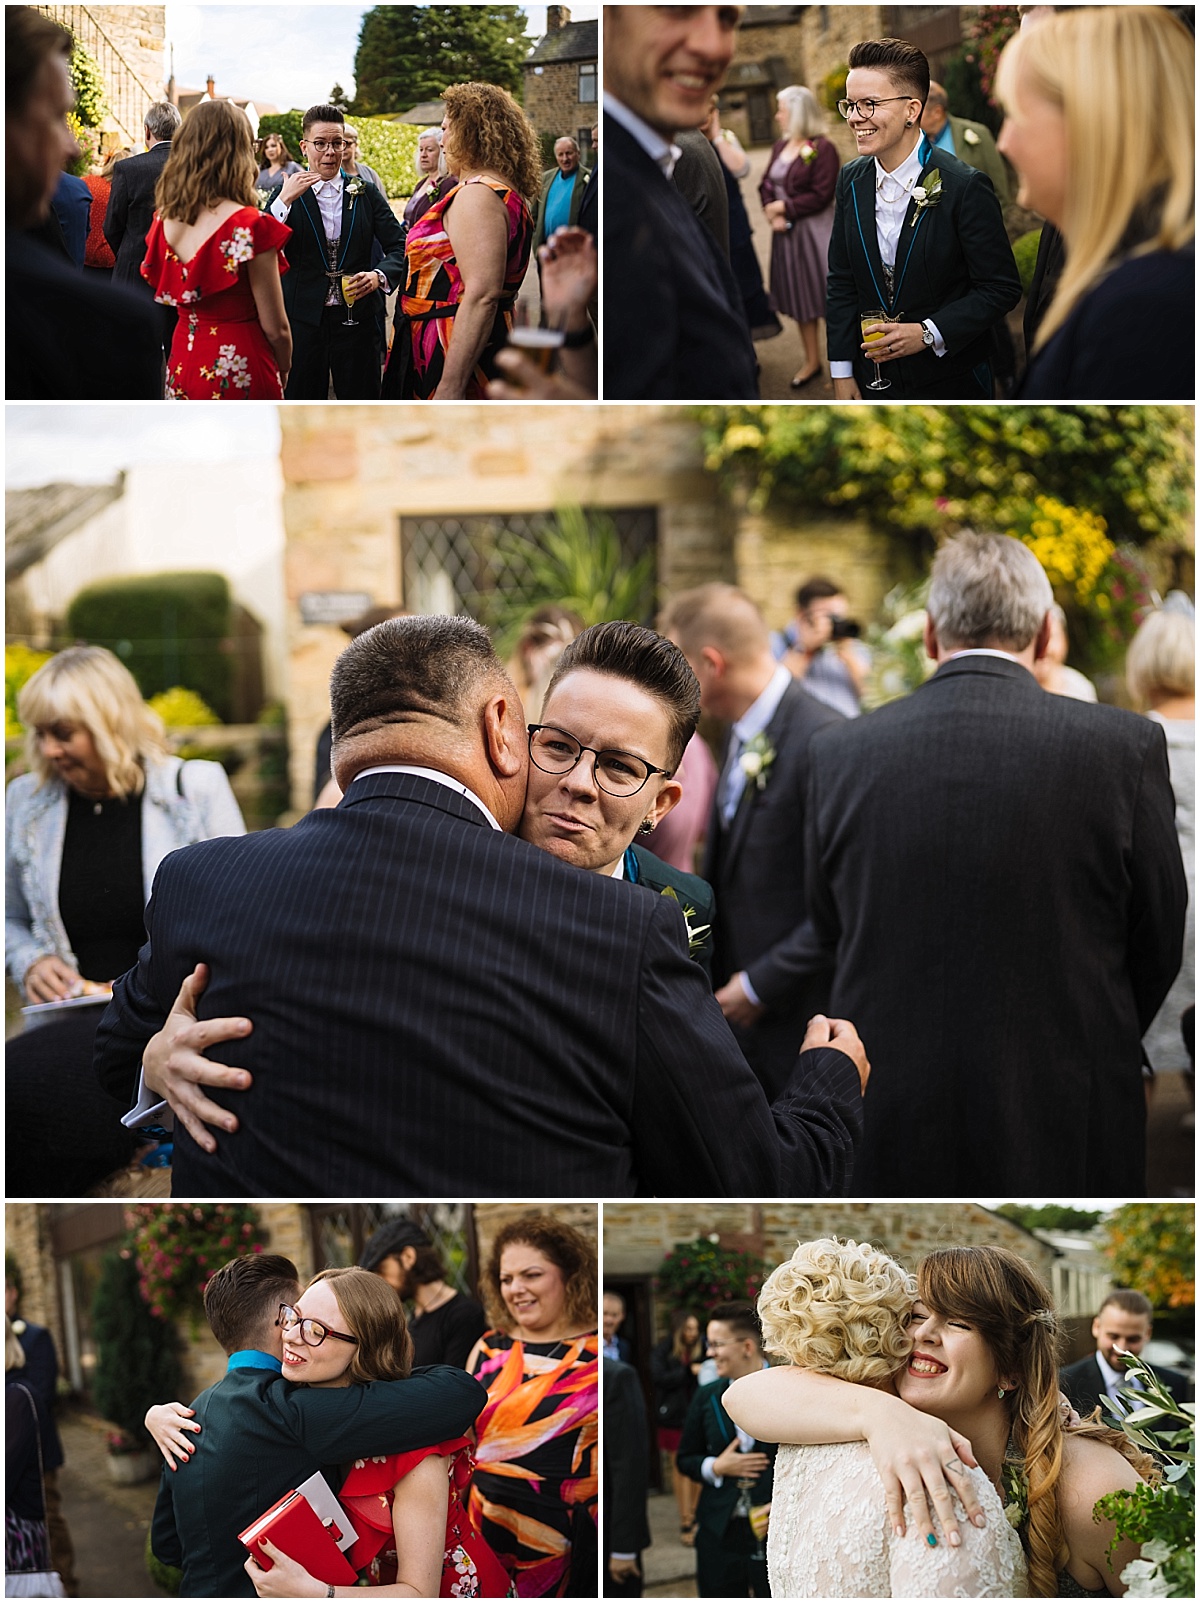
{"points": [[182, 803]]}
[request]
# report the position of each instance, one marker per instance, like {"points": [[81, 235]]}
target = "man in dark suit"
{"points": [[754, 854], [131, 201], [997, 872], [612, 1313], [669, 292], [919, 235], [257, 1437], [68, 337], [1122, 1326], [335, 222], [440, 1008], [730, 1555], [588, 209], [39, 1374], [626, 1477]]}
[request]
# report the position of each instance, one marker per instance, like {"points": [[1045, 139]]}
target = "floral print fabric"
{"points": [[219, 352]]}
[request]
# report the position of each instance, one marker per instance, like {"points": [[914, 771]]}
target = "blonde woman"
{"points": [[797, 196], [1118, 183], [85, 831], [978, 1386], [212, 254]]}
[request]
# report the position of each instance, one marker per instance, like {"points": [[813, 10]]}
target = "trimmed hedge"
{"points": [[1025, 252], [390, 147], [167, 628]]}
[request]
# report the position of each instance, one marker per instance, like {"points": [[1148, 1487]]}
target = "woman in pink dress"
{"points": [[213, 254]]}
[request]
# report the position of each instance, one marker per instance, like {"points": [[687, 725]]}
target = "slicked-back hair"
{"points": [[243, 1297], [1129, 1302], [742, 1319], [321, 114], [648, 660], [905, 65], [410, 667], [718, 615], [30, 37], [987, 590]]}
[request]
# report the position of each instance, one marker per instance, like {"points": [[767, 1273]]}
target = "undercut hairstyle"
{"points": [[88, 685], [1161, 660], [1132, 182], [212, 159], [1129, 1302], [741, 1318], [840, 1308], [30, 38], [1000, 1296], [162, 120], [489, 132], [242, 1299], [316, 114], [650, 661], [406, 669], [904, 64], [568, 1249], [987, 590], [816, 589], [374, 1314], [805, 118], [718, 615]]}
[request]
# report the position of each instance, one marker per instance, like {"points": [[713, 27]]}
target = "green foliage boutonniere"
{"points": [[808, 153], [928, 193], [755, 762], [696, 933], [354, 186]]}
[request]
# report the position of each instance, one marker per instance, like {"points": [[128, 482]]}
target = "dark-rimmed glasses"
{"points": [[866, 108], [326, 144], [312, 1331], [619, 773]]}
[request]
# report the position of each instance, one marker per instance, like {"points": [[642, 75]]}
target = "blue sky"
{"points": [[287, 55]]}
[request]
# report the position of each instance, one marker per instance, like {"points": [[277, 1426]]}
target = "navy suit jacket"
{"points": [[1084, 1385], [756, 868], [673, 314], [626, 1461], [131, 211], [261, 1436], [998, 875], [441, 1009], [707, 1432], [366, 218], [953, 264]]}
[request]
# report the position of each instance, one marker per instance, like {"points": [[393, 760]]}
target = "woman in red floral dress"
{"points": [[413, 1536], [212, 254]]}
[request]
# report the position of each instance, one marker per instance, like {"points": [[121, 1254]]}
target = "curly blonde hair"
{"points": [[212, 159], [489, 132], [840, 1307], [87, 685]]}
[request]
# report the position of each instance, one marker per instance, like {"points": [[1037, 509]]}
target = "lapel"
{"points": [[862, 192], [725, 1430], [914, 218], [739, 824], [348, 210]]}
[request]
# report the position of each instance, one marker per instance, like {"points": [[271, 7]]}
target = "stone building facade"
{"points": [[561, 79], [354, 483], [128, 44]]}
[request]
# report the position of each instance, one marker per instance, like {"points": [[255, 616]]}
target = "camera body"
{"points": [[844, 629]]}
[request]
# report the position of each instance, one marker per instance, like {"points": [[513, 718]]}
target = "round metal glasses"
{"points": [[619, 773]]}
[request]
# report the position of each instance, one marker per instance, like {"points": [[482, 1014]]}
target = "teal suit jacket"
{"points": [[694, 895], [708, 1431]]}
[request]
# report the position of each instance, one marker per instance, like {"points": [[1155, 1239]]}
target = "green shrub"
{"points": [[20, 664], [167, 628], [183, 709], [289, 125], [87, 80], [389, 147], [833, 87], [165, 1576], [137, 1362], [1025, 251]]}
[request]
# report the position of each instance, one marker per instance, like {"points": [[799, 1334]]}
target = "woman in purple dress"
{"points": [[797, 196]]}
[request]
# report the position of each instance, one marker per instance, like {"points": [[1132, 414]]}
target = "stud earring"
{"points": [[645, 827]]}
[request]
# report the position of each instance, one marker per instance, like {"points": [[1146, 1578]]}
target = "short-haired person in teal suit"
{"points": [[918, 235], [253, 1436]]}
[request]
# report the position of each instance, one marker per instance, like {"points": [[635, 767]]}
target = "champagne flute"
{"points": [[864, 320], [347, 282]]}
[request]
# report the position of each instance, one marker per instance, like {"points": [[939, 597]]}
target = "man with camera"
{"points": [[821, 646]]}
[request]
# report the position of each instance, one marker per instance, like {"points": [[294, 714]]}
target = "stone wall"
{"points": [[140, 34], [775, 553], [552, 100], [27, 1238]]}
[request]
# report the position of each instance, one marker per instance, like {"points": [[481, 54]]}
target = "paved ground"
{"points": [[670, 1567], [108, 1523]]}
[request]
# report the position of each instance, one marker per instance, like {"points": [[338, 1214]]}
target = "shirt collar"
{"points": [[659, 150], [759, 714], [985, 651], [908, 171], [438, 779], [251, 1358], [1113, 1378], [322, 184]]}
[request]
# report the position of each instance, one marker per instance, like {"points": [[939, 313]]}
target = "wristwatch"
{"points": [[927, 335]]}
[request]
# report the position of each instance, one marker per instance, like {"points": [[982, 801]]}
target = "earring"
{"points": [[909, 123], [1000, 1392], [645, 827]]}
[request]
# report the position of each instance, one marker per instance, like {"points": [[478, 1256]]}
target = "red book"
{"points": [[295, 1529]]}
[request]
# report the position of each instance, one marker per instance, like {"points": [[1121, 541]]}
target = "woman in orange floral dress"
{"points": [[212, 254], [534, 1493], [467, 255]]}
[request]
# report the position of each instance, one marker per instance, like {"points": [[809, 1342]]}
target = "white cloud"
{"points": [[91, 444]]}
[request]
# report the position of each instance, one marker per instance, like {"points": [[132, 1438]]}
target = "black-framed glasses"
{"points": [[866, 108], [312, 1331], [619, 773], [326, 144]]}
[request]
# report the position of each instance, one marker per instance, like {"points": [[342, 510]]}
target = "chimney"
{"points": [[557, 18], [212, 87]]}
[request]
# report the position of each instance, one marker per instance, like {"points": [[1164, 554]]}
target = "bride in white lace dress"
{"points": [[976, 1368]]}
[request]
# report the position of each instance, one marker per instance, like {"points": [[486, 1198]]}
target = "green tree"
{"points": [[1152, 1248], [407, 54], [1054, 1216], [137, 1359]]}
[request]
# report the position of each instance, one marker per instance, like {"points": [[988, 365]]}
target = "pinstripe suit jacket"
{"points": [[444, 1010]]}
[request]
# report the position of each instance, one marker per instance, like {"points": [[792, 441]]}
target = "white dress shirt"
{"points": [[328, 195], [752, 722], [663, 154]]}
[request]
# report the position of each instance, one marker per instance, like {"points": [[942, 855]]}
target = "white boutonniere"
{"points": [[808, 153], [696, 933], [970, 137], [354, 186], [928, 193], [262, 196], [19, 1327], [1016, 1493], [755, 762]]}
